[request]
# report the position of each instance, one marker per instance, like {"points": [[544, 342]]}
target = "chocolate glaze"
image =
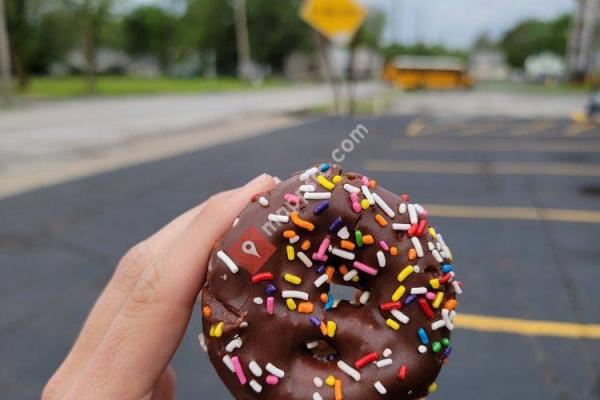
{"points": [[281, 338]]}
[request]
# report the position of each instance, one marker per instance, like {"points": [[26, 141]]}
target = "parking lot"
{"points": [[517, 199]]}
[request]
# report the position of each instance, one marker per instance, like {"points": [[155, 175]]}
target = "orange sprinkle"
{"points": [[329, 271], [450, 304], [368, 239], [301, 223], [412, 254], [343, 269], [206, 311], [348, 245], [394, 250], [323, 328], [305, 245], [338, 390], [324, 298], [289, 234], [372, 183], [306, 307], [380, 220]]}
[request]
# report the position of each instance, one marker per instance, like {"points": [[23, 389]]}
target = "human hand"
{"points": [[125, 346]]}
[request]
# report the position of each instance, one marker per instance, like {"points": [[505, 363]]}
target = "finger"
{"points": [[151, 323], [165, 387]]}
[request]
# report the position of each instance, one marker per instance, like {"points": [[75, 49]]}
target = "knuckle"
{"points": [[130, 266], [145, 293]]}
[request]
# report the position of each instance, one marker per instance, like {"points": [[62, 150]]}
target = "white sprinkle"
{"points": [[354, 374], [457, 287], [417, 244], [321, 280], [437, 256], [317, 195], [417, 269], [384, 206], [418, 290], [387, 352], [368, 195], [422, 349], [380, 388], [343, 233], [244, 324], [381, 258], [312, 345], [228, 363], [307, 188], [318, 381], [228, 261], [235, 222], [202, 341], [351, 189], [430, 246], [350, 274], [400, 227], [274, 370], [400, 316], [278, 218], [412, 214], [402, 208], [294, 239], [263, 201], [234, 344], [386, 362], [294, 294], [317, 396], [256, 386], [342, 253], [255, 368], [438, 324], [364, 297], [446, 318], [306, 174], [258, 300], [304, 258], [420, 209]]}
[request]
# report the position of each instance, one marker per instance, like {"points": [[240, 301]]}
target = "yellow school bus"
{"points": [[427, 72]]}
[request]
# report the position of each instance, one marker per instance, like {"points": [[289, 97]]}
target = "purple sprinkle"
{"points": [[447, 352], [331, 357], [322, 206], [410, 298], [270, 289], [336, 224], [321, 268], [315, 321]]}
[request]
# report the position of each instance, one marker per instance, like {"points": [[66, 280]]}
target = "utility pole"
{"points": [[581, 46], [5, 78], [243, 43]]}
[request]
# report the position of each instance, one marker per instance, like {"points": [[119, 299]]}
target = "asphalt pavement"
{"points": [[518, 203]]}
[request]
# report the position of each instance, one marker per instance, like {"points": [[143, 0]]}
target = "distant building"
{"points": [[544, 67], [488, 65]]}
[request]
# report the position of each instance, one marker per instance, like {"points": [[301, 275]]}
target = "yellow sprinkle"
{"points": [[432, 232], [405, 273], [364, 203], [398, 293], [296, 280], [212, 330], [218, 329], [355, 278], [290, 253], [438, 300], [331, 328], [337, 179], [392, 324], [325, 183], [291, 304], [330, 380], [435, 283], [432, 388]]}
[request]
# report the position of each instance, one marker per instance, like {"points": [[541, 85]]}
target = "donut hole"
{"points": [[342, 292], [433, 271], [321, 350]]}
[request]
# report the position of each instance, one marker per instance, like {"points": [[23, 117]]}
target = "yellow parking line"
{"points": [[531, 128], [561, 146], [415, 127], [516, 213], [474, 168], [527, 327], [578, 129]]}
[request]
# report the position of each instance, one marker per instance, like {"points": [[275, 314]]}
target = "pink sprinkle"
{"points": [[365, 268], [430, 296], [384, 245], [291, 198], [354, 197], [365, 180], [323, 247], [272, 380], [270, 305], [356, 207], [238, 370]]}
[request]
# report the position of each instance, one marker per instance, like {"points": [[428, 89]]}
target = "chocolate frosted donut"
{"points": [[274, 331]]}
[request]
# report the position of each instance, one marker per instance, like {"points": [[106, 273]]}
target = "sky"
{"points": [[453, 23]]}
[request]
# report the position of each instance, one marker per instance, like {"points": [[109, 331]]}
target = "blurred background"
{"points": [[116, 116]]}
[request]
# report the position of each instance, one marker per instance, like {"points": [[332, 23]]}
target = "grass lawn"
{"points": [[47, 88], [523, 87]]}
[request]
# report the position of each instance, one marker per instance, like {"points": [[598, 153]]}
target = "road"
{"points": [[525, 240]]}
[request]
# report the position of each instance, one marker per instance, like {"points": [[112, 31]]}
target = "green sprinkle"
{"points": [[358, 236], [436, 347], [445, 342]]}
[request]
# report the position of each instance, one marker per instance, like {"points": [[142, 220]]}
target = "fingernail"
{"points": [[256, 180], [277, 180]]}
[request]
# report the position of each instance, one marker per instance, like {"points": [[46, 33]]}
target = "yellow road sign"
{"points": [[338, 20]]}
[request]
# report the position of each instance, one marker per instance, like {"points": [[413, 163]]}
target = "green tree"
{"points": [[150, 30], [533, 36]]}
